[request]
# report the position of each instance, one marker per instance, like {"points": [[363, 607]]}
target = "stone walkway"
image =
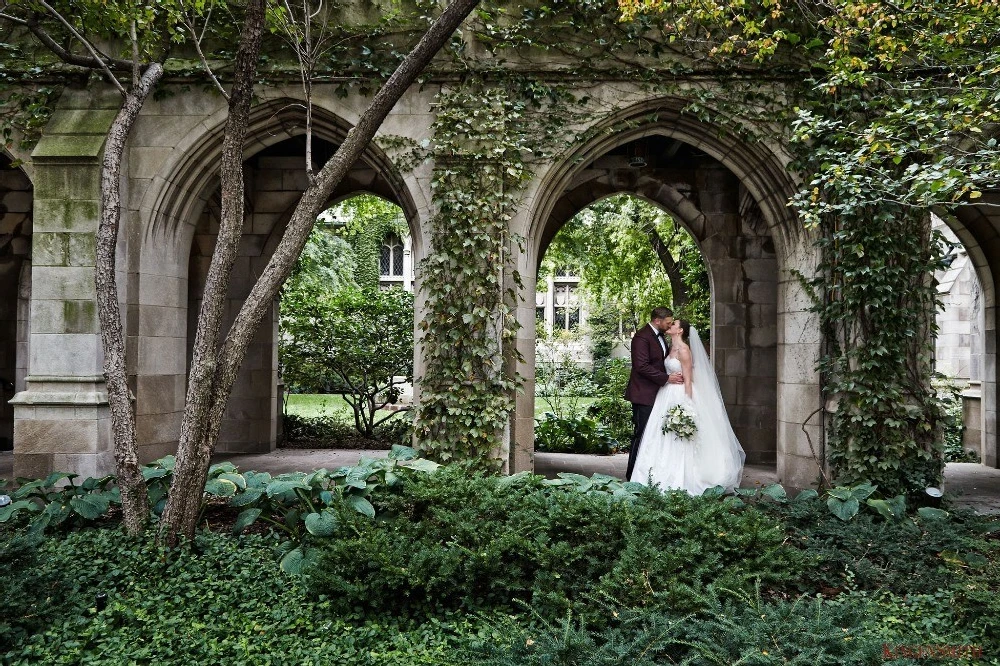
{"points": [[973, 485]]}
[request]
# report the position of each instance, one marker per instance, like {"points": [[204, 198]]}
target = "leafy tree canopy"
{"points": [[609, 246]]}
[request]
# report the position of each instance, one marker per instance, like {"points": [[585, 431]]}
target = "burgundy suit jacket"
{"points": [[647, 374]]}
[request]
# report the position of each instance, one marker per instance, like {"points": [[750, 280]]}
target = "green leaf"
{"points": [[506, 482], [714, 491], [247, 497], [246, 518], [845, 510], [775, 491], [322, 524], [221, 468], [220, 488], [237, 479], [153, 473], [932, 513], [361, 505], [975, 560], [421, 465], [885, 509], [841, 492], [281, 486], [400, 452], [90, 507], [806, 494], [293, 562], [862, 491], [11, 510]]}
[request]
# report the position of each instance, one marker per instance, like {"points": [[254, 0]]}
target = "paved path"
{"points": [[974, 485]]}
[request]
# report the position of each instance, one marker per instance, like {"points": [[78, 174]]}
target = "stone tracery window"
{"points": [[391, 260]]}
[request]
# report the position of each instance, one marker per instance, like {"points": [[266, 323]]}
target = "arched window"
{"points": [[391, 261]]}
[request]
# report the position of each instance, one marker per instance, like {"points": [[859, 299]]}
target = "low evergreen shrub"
{"points": [[872, 553], [731, 629], [223, 601], [447, 541]]}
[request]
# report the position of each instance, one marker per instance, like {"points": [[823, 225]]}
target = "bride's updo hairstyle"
{"points": [[685, 330]]}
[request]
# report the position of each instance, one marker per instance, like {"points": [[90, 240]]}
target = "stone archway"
{"points": [[725, 222], [978, 229], [732, 197], [170, 283], [16, 203]]}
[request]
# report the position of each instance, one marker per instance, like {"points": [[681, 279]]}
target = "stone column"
{"points": [[61, 419], [744, 292], [800, 432]]}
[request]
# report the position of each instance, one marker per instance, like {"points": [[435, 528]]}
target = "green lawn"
{"points": [[317, 404], [565, 405]]}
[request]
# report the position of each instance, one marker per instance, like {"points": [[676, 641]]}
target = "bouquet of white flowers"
{"points": [[680, 421]]}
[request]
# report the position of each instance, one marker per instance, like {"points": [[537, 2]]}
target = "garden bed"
{"points": [[457, 569]]}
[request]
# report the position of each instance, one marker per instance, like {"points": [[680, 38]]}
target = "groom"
{"points": [[649, 348]]}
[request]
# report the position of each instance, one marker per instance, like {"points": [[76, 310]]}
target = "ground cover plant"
{"points": [[325, 421], [399, 561]]}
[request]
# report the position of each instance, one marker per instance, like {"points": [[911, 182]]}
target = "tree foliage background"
{"points": [[608, 245]]}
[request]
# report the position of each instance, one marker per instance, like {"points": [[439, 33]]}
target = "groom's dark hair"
{"points": [[660, 313]]}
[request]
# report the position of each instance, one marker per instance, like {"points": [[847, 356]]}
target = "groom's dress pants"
{"points": [[640, 416]]}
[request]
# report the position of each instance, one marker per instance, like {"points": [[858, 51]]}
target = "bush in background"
{"points": [[573, 434]]}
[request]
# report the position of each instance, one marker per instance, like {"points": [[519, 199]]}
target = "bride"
{"points": [[712, 456]]}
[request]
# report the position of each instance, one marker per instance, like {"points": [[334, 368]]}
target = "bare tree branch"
{"points": [[204, 61], [87, 45]]}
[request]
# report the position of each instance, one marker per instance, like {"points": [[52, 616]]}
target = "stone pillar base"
{"points": [[62, 424]]}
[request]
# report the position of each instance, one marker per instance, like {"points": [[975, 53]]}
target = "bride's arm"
{"points": [[684, 356]]}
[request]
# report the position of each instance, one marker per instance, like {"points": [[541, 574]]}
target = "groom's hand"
{"points": [[676, 378]]}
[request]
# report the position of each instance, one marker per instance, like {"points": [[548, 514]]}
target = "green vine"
{"points": [[466, 391]]}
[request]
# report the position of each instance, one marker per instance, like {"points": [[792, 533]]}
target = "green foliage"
{"points": [[611, 242], [877, 308], [469, 325], [953, 425], [574, 434], [56, 501], [30, 600], [331, 431], [284, 501], [448, 541], [912, 554], [361, 341], [734, 629], [615, 414], [324, 267], [364, 221], [220, 601]]}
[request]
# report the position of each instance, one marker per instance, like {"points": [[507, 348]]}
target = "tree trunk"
{"points": [[194, 449], [678, 289], [135, 502], [261, 297]]}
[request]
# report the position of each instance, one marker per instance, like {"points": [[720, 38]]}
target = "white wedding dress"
{"points": [[713, 456]]}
